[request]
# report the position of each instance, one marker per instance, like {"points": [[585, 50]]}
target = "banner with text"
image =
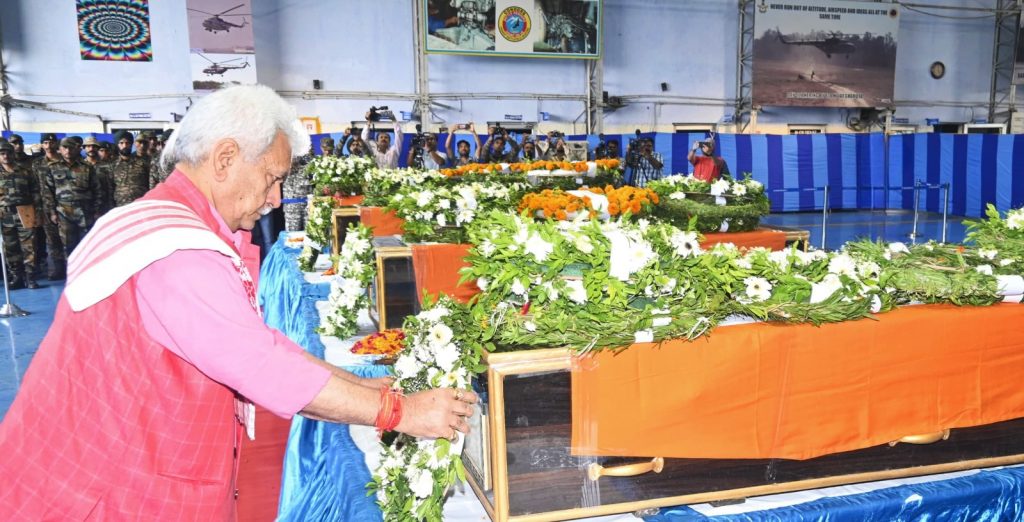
{"points": [[534, 28], [824, 53]]}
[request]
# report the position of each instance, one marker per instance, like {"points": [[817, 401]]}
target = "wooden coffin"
{"points": [[341, 218], [519, 463], [393, 293]]}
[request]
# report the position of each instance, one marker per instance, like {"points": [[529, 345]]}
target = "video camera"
{"points": [[382, 112], [498, 131]]}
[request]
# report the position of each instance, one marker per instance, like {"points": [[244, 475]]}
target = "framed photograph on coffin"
{"points": [[393, 293]]}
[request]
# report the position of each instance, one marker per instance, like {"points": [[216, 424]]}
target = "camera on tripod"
{"points": [[379, 113]]}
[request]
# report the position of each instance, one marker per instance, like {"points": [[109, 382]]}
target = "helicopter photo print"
{"points": [[221, 42], [824, 53]]}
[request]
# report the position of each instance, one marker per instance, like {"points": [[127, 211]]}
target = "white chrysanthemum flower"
{"points": [[446, 356], [743, 263], [754, 184], [421, 482], [486, 248], [677, 195], [984, 269], [442, 220], [843, 264], [522, 235], [987, 254], [781, 259], [758, 288], [1015, 220], [464, 217], [481, 283], [433, 315], [423, 198], [530, 326], [540, 248], [720, 187], [1006, 262], [551, 290], [685, 244], [583, 243], [739, 189], [444, 204], [577, 293], [868, 269], [518, 288], [823, 290], [439, 335], [406, 367]]}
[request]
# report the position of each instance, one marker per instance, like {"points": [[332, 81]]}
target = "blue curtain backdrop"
{"points": [[980, 169]]}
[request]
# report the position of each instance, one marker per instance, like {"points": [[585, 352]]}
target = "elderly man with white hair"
{"points": [[137, 399]]}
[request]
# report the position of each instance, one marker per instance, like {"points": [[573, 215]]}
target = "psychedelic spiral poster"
{"points": [[114, 30]]}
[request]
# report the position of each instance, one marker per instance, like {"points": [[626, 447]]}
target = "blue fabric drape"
{"points": [[980, 169], [990, 495], [325, 474]]}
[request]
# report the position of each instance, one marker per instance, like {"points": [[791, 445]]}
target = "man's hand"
{"points": [[437, 413], [472, 128], [53, 218]]}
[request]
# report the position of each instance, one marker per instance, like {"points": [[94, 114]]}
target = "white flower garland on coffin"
{"points": [[356, 270], [414, 475]]}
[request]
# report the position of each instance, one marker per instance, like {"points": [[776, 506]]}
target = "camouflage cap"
{"points": [[6, 147], [141, 137], [69, 141], [149, 135], [90, 141], [123, 134], [49, 136], [16, 138]]}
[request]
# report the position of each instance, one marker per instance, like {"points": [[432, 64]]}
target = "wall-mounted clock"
{"points": [[938, 70]]}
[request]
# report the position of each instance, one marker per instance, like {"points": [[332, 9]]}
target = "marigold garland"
{"points": [[634, 200], [388, 342], [555, 204]]}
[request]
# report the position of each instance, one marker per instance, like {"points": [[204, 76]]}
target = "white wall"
{"points": [[368, 47]]}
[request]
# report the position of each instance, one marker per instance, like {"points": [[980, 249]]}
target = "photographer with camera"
{"points": [[493, 150], [646, 164], [529, 150], [384, 152], [707, 167], [607, 149], [556, 150], [463, 157], [352, 145], [423, 153]]}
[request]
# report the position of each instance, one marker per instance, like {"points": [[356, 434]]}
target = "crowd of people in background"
{"points": [[50, 199]]}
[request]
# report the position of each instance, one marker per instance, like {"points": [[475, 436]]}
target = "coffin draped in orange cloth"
{"points": [[772, 239], [798, 391], [381, 222], [349, 201], [437, 270]]}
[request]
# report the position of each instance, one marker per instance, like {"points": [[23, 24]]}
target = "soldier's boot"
{"points": [[15, 280], [30, 279], [59, 271]]}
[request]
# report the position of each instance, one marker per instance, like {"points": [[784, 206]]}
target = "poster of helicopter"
{"points": [[222, 44], [534, 28], [824, 53]]}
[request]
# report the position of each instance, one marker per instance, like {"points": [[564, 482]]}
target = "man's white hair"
{"points": [[252, 115]]}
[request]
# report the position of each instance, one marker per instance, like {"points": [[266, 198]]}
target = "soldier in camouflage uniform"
{"points": [[158, 172], [130, 172], [18, 189], [71, 195], [49, 242], [294, 192], [103, 174], [22, 159]]}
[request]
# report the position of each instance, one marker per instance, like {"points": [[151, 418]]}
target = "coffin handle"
{"points": [[927, 438], [596, 471]]}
